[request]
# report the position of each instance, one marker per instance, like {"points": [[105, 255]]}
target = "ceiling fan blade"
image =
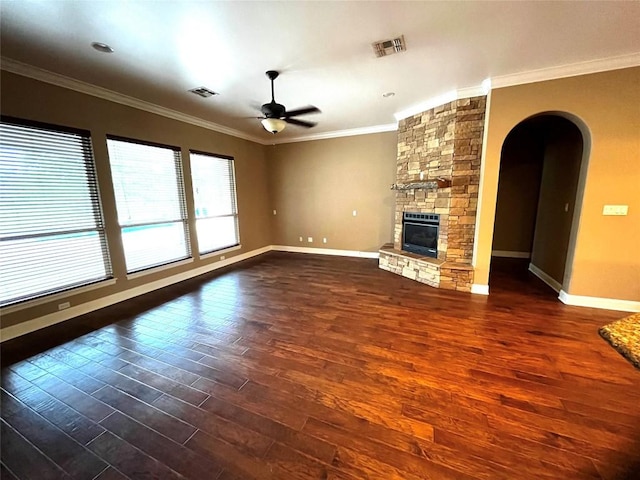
{"points": [[256, 106], [300, 123], [302, 111]]}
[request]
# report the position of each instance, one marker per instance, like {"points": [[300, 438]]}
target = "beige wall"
{"points": [[518, 190], [29, 99], [316, 185], [605, 262], [560, 173]]}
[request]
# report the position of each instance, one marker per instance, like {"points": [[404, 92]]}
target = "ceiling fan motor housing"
{"points": [[273, 110]]}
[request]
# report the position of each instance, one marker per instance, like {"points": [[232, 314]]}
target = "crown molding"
{"points": [[531, 76], [426, 105], [540, 75], [475, 91], [390, 127], [25, 70], [568, 70], [466, 92]]}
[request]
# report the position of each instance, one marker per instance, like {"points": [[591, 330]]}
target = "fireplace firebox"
{"points": [[420, 233]]}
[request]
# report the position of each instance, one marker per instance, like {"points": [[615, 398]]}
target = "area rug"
{"points": [[624, 336]]}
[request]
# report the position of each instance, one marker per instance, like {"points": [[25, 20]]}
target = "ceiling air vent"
{"points": [[203, 92], [389, 47]]}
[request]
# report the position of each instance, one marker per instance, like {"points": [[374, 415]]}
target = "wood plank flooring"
{"points": [[307, 367]]}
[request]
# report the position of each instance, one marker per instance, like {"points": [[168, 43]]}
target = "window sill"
{"points": [[217, 253], [159, 268], [56, 296]]}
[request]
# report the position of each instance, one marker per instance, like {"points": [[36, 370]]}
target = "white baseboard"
{"points": [[325, 251], [479, 289], [56, 317], [29, 326], [599, 302], [510, 254], [553, 283]]}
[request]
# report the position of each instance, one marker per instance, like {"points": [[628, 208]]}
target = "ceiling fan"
{"points": [[276, 115]]}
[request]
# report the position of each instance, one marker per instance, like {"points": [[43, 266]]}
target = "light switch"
{"points": [[355, 212], [615, 209]]}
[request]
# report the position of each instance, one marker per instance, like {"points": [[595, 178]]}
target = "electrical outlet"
{"points": [[274, 212], [310, 239], [324, 240], [615, 210], [222, 257], [63, 306], [300, 238]]}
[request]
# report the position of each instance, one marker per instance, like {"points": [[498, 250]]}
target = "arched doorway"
{"points": [[539, 196]]}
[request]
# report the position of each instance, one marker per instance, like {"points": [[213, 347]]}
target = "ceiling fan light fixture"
{"points": [[273, 125]]}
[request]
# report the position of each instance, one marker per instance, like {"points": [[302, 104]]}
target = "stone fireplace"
{"points": [[438, 172]]}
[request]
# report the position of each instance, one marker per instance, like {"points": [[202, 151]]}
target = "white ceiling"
{"points": [[323, 49]]}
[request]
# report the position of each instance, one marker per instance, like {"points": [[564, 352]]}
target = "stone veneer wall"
{"points": [[444, 142]]}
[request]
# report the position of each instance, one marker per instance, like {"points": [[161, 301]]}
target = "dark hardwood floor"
{"points": [[307, 367]]}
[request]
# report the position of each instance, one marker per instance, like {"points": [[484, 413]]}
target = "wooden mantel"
{"points": [[430, 185]]}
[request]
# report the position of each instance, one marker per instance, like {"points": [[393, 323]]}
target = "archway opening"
{"points": [[538, 202]]}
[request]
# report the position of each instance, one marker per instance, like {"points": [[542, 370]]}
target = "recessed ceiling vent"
{"points": [[389, 47], [203, 92]]}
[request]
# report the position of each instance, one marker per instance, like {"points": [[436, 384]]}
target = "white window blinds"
{"points": [[149, 190], [51, 228], [214, 192]]}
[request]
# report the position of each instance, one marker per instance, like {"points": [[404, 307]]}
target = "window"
{"points": [[149, 190], [214, 192], [51, 227]]}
